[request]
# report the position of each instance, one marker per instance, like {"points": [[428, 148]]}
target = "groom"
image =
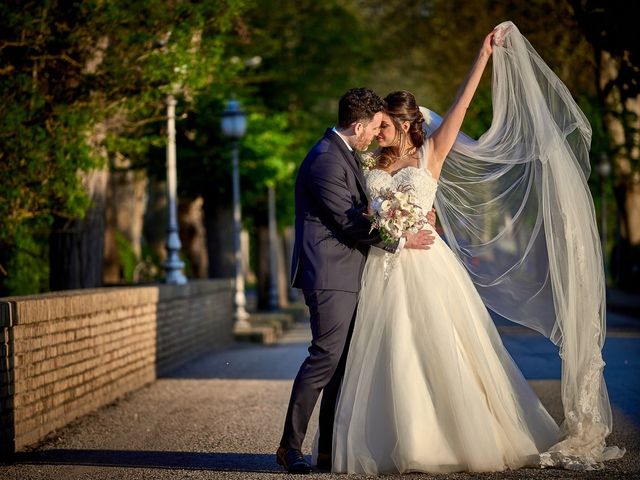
{"points": [[332, 239]]}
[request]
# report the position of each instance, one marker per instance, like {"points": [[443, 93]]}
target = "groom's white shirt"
{"points": [[342, 138]]}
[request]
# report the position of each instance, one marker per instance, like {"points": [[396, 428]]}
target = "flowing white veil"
{"points": [[517, 211]]}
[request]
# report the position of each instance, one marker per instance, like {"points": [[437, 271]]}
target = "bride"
{"points": [[429, 386]]}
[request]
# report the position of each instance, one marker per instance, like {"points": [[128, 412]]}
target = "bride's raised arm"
{"points": [[445, 135]]}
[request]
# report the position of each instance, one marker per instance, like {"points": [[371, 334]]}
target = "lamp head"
{"points": [[234, 120]]}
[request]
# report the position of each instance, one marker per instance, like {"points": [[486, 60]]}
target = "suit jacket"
{"points": [[332, 234]]}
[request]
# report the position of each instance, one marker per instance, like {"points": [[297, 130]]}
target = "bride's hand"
{"points": [[500, 34], [495, 37], [487, 45], [431, 217]]}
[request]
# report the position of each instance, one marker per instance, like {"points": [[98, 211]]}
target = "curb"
{"points": [[624, 302], [267, 327]]}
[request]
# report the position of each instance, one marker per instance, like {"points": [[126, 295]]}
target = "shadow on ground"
{"points": [[230, 462], [246, 362]]}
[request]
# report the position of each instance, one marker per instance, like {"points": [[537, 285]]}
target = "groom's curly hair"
{"points": [[358, 105]]}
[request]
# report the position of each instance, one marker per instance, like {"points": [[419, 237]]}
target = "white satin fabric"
{"points": [[428, 386]]}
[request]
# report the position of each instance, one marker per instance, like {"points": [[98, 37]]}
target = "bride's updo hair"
{"points": [[402, 107]]}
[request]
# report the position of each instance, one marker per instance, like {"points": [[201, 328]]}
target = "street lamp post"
{"points": [[273, 250], [604, 170], [234, 125], [173, 265]]}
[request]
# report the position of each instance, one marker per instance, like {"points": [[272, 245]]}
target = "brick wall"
{"points": [[63, 355]]}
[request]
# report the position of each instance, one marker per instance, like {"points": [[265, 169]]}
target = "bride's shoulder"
{"points": [[375, 172]]}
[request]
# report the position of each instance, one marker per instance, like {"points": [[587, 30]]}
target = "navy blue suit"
{"points": [[332, 239]]}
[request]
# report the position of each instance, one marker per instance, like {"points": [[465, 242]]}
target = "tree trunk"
{"points": [[5, 255], [76, 246], [263, 270], [193, 236], [155, 218], [263, 279], [282, 273], [622, 122], [124, 215], [218, 223]]}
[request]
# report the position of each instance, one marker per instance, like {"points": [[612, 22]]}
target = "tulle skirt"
{"points": [[429, 386]]}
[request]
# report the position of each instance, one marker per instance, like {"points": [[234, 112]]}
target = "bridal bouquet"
{"points": [[396, 212]]}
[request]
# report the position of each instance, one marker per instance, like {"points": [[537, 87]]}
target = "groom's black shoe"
{"points": [[292, 460], [323, 462]]}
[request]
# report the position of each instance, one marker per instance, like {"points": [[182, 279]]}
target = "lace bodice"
{"points": [[420, 179]]}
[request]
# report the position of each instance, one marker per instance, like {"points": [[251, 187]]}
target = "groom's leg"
{"points": [[330, 398], [330, 312]]}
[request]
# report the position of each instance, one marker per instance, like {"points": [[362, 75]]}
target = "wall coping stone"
{"points": [[22, 310]]}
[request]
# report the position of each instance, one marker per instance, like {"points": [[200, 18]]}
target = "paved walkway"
{"points": [[220, 417]]}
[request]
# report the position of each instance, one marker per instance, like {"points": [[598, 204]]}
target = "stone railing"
{"points": [[66, 354]]}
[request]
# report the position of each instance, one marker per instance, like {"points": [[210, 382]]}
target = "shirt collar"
{"points": [[342, 138]]}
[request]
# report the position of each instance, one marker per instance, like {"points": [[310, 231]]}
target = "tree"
{"points": [[427, 47], [611, 28], [592, 45], [321, 49], [289, 84], [79, 81]]}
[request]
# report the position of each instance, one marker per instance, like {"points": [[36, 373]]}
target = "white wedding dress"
{"points": [[429, 386]]}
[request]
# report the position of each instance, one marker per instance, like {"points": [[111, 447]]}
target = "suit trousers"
{"points": [[332, 315]]}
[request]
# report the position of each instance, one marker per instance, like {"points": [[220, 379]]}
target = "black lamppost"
{"points": [[173, 265], [273, 250], [234, 126]]}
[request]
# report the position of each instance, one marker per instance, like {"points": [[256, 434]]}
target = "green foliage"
{"points": [[27, 266], [428, 47], [128, 258], [84, 84], [611, 28], [268, 160], [266, 153], [478, 118], [40, 161], [321, 50], [81, 82], [311, 53], [149, 269], [267, 149]]}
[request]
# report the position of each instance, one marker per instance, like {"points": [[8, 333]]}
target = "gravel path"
{"points": [[220, 417]]}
